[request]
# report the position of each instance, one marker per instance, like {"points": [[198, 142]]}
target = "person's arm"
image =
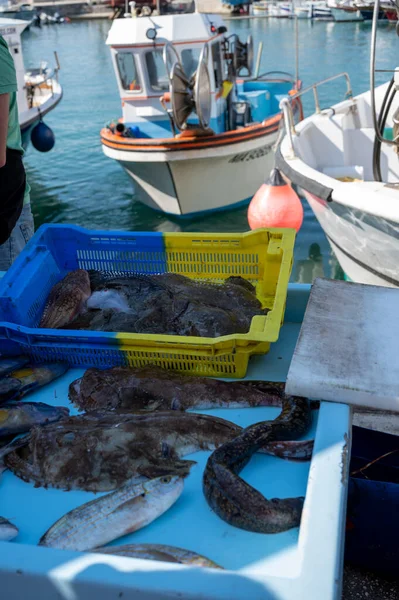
{"points": [[4, 108]]}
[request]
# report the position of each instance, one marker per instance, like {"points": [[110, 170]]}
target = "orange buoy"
{"points": [[275, 204]]}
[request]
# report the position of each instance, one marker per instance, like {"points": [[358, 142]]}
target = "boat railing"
{"points": [[286, 103], [48, 76]]}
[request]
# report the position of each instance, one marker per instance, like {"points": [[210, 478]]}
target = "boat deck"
{"points": [[302, 563]]}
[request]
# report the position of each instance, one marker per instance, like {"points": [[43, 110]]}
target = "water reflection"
{"points": [[76, 183], [308, 269]]}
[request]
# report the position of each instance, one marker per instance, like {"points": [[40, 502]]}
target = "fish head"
{"points": [[165, 486]]}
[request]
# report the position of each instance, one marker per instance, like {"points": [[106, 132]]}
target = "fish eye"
{"points": [[143, 495], [166, 479]]}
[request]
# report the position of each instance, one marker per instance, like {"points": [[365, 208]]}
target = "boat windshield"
{"points": [[190, 58], [156, 71], [128, 71]]}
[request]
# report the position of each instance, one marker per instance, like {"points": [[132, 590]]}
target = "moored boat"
{"points": [[330, 157], [39, 91], [344, 10], [345, 160], [260, 8], [24, 12], [198, 127]]}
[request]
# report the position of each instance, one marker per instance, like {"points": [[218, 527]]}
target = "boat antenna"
{"points": [[296, 51]]}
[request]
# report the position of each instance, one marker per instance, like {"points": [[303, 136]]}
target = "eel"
{"points": [[234, 500]]}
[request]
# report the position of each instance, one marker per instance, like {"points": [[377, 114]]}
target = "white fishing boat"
{"points": [[302, 10], [320, 11], [344, 10], [345, 160], [280, 10], [198, 127], [39, 91], [260, 8]]}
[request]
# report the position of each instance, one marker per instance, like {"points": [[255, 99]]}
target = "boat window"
{"points": [[128, 71], [190, 58], [156, 71], [217, 65]]}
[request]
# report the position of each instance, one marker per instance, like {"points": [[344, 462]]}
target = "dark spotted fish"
{"points": [[20, 417], [171, 304], [152, 388], [100, 451], [8, 531], [28, 379], [160, 552], [234, 500], [128, 509], [7, 365], [66, 300]]}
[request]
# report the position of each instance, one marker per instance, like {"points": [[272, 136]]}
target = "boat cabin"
{"points": [[140, 58]]}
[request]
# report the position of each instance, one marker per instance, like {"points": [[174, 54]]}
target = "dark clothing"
{"points": [[12, 191]]}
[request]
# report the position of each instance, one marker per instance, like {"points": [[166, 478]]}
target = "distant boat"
{"points": [[260, 8], [280, 10], [344, 10], [320, 11], [366, 8], [38, 89]]}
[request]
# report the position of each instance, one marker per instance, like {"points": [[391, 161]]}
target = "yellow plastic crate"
{"points": [[264, 257]]}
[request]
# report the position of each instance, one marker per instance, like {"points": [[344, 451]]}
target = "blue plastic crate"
{"points": [[264, 257]]}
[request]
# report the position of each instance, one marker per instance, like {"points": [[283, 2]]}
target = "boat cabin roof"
{"points": [[193, 27]]}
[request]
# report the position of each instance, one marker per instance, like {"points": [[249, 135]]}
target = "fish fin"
{"points": [[167, 451], [299, 451], [129, 504]]}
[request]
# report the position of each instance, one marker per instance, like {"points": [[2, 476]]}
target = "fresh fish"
{"points": [[66, 300], [128, 509], [20, 417], [160, 552], [8, 445], [8, 531], [152, 388], [170, 304], [99, 451], [234, 500], [7, 365], [23, 381]]}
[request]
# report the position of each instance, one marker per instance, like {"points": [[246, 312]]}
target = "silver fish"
{"points": [[160, 552], [8, 531], [20, 417], [128, 509]]}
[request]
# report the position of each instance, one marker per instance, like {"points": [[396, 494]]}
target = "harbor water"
{"points": [[76, 183]]}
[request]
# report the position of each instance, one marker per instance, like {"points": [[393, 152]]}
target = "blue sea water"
{"points": [[76, 183]]}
